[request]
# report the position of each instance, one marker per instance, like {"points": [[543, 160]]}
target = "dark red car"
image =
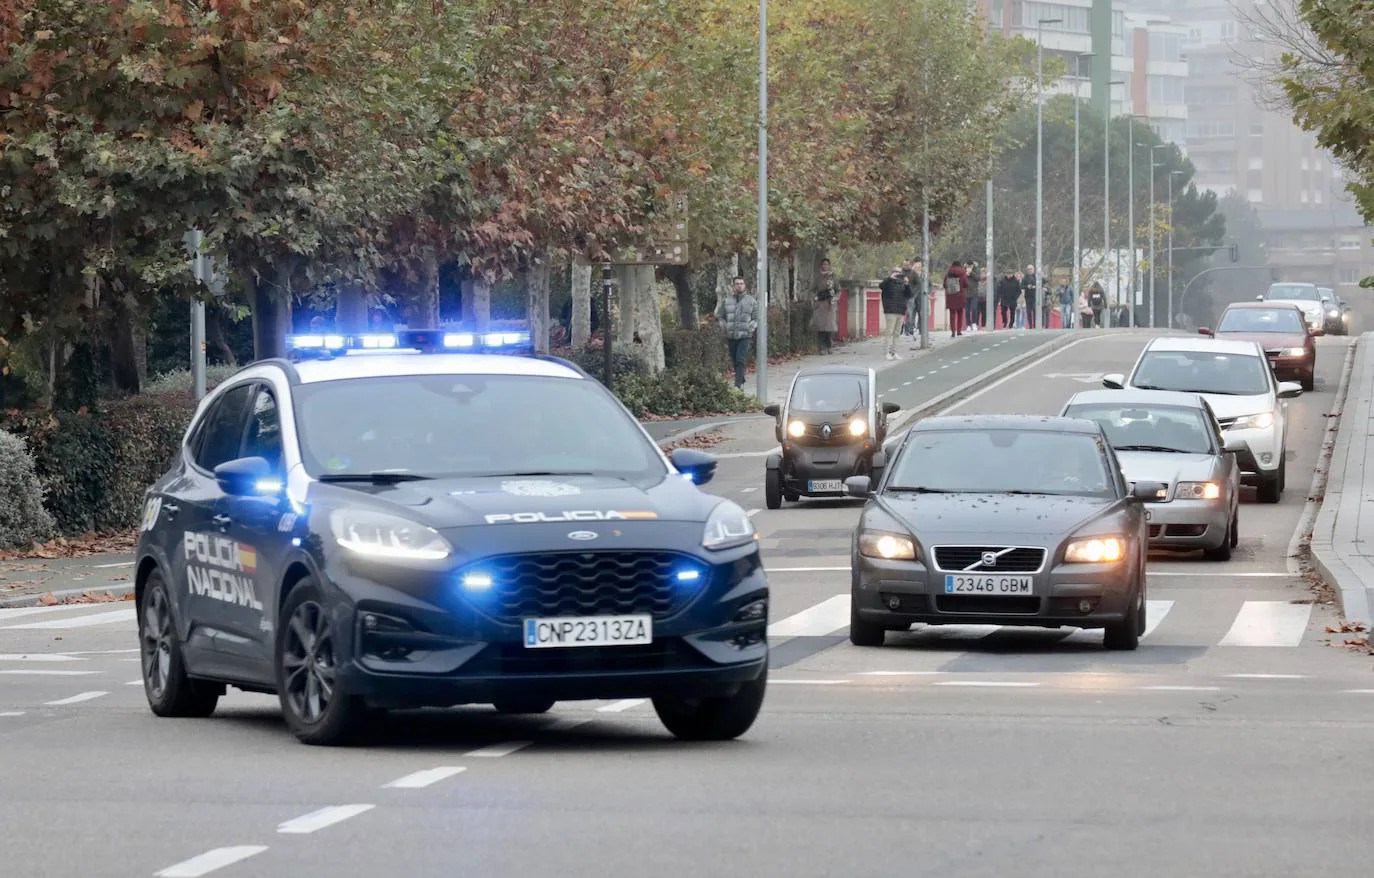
{"points": [[1280, 329]]}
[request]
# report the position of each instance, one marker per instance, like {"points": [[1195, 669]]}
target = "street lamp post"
{"points": [[1040, 156], [1170, 281], [1130, 211], [1154, 251], [761, 272], [1106, 193], [1077, 200]]}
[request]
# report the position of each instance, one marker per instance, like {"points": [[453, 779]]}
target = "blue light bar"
{"points": [[426, 340]]}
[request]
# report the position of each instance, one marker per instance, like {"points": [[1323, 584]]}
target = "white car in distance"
{"points": [[1235, 379]]}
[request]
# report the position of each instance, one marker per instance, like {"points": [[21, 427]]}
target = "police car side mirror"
{"points": [[247, 477], [698, 466]]}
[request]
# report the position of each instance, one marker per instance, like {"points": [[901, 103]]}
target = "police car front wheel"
{"points": [[713, 719], [314, 701], [170, 691]]}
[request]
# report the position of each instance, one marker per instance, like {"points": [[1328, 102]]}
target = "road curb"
{"points": [[706, 428], [956, 394], [36, 600], [1339, 508]]}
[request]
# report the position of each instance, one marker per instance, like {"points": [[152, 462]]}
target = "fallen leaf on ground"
{"points": [[106, 543], [697, 440]]}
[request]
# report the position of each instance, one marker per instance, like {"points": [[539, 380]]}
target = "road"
{"points": [[1232, 742]]}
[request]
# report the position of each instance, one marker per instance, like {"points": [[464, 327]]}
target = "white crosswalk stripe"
{"points": [[1269, 623], [84, 620]]}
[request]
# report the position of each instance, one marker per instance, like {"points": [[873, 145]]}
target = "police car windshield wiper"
{"points": [[548, 472], [379, 478]]}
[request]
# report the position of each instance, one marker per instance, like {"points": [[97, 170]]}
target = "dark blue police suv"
{"points": [[434, 518]]}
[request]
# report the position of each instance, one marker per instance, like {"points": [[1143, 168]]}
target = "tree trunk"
{"points": [[123, 349], [422, 300], [271, 303], [537, 303], [681, 278], [214, 334], [627, 298], [581, 329], [350, 308], [649, 319], [480, 312]]}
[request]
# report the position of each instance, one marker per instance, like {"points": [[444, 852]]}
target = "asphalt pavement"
{"points": [[1232, 742]]}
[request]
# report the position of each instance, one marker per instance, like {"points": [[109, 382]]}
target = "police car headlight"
{"points": [[728, 526], [379, 535]]}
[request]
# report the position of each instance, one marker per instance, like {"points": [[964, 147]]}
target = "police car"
{"points": [[435, 518]]}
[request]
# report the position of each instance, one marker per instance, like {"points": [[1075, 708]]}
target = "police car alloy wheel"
{"points": [[170, 692], [713, 719], [314, 700]]}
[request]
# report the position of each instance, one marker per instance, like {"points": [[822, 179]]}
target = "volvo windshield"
{"points": [[1002, 461]]}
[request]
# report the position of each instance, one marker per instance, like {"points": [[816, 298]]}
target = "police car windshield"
{"points": [[460, 426], [1008, 461], [828, 393]]}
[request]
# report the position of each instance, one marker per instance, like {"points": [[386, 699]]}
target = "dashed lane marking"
{"points": [[1009, 684], [36, 672], [325, 817], [210, 861], [75, 699], [38, 657], [621, 705], [12, 713], [1181, 688], [428, 777], [497, 750]]}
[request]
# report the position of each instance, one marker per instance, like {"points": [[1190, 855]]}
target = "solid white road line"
{"points": [[805, 569], [317, 820], [899, 673], [80, 621], [1155, 611], [1034, 363], [752, 512], [1182, 688], [824, 618], [108, 566], [37, 673], [12, 713], [1268, 676], [989, 683], [16, 612], [622, 705], [808, 682], [497, 750], [76, 699], [38, 657], [421, 779], [210, 861], [1211, 575], [1268, 623], [134, 683]]}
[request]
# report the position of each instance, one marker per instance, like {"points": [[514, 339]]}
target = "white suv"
{"points": [[1235, 379]]}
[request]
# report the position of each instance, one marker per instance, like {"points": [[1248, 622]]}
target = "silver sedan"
{"points": [[1173, 438]]}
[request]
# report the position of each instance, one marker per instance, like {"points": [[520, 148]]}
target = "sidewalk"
{"points": [[1339, 551]]}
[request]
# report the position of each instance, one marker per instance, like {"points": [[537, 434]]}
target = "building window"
{"points": [[1304, 196], [1166, 48], [1211, 128], [1317, 196], [1256, 163], [1350, 242], [1349, 276], [1166, 89], [1256, 128], [1255, 196]]}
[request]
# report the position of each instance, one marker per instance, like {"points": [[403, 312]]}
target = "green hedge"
{"points": [[96, 465]]}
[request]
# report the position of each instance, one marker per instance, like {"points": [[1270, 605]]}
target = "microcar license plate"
{"points": [[993, 585], [589, 631], [824, 486]]}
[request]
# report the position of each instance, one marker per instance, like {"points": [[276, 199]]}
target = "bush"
{"points": [[95, 466], [23, 518], [702, 348]]}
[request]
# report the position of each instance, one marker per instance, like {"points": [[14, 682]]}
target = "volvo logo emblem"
{"points": [[582, 535], [825, 431], [989, 559]]}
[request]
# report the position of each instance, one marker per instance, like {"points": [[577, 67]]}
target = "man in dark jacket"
{"points": [[896, 292], [1008, 289]]}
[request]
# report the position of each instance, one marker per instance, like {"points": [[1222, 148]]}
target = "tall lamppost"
{"points": [[1154, 252], [1040, 154], [1107, 191], [1170, 281], [761, 271], [1077, 200]]}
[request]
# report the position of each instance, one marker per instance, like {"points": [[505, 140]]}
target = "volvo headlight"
{"points": [[888, 546], [796, 429], [383, 536], [858, 427], [1197, 491], [1261, 421], [1095, 550], [728, 526]]}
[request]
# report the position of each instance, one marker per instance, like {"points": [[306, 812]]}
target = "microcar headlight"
{"points": [[1095, 550], [1261, 421], [888, 546], [796, 429], [382, 536], [1197, 491], [727, 527], [858, 427]]}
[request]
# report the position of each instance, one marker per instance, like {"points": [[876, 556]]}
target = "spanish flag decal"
{"points": [[639, 515], [248, 559]]}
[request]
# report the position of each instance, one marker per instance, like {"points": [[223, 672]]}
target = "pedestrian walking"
{"points": [[823, 317], [738, 314], [896, 297], [956, 284], [1008, 290], [1030, 288]]}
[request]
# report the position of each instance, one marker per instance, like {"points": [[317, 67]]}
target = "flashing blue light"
{"points": [[477, 581], [689, 476], [296, 541], [411, 339], [377, 342], [688, 575], [268, 486], [460, 340]]}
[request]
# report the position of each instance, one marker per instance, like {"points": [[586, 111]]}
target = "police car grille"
{"points": [[588, 584], [961, 557]]}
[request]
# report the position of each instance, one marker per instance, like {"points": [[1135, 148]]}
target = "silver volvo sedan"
{"points": [[1173, 438], [1000, 520]]}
